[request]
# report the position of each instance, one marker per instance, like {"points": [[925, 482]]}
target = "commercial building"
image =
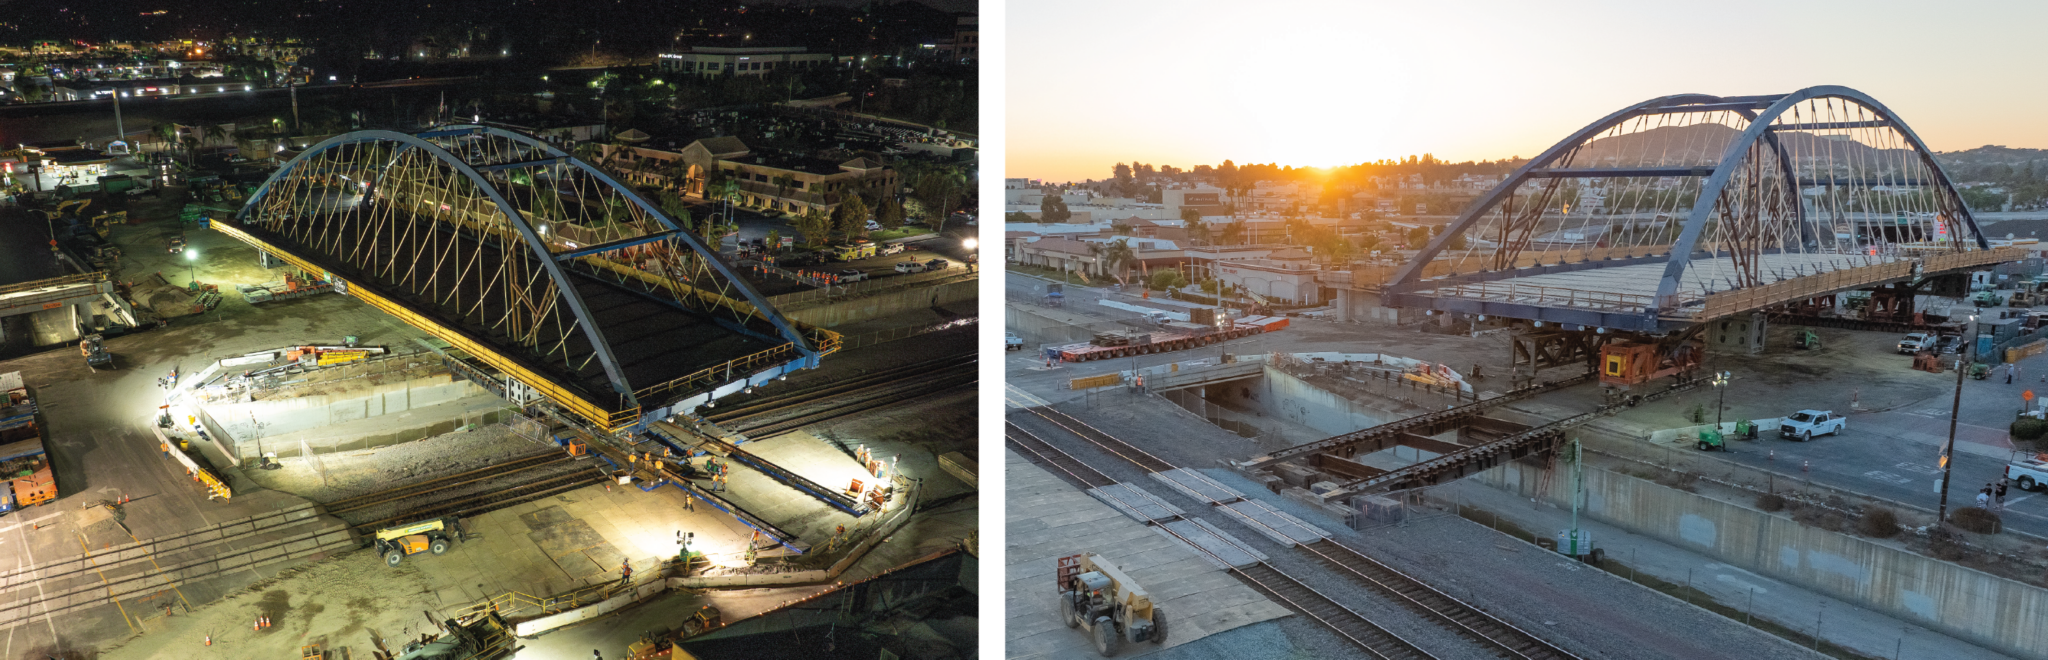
{"points": [[965, 46], [714, 61]]}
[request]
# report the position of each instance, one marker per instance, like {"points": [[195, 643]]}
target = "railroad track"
{"points": [[1375, 641], [1422, 598], [810, 394], [93, 578], [491, 499], [514, 466], [868, 398], [1434, 605]]}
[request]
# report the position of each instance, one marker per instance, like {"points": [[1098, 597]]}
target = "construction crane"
{"points": [[1097, 596]]}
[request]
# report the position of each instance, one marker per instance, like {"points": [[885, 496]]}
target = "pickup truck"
{"points": [[1012, 342], [2028, 473], [1806, 424], [1916, 342]]}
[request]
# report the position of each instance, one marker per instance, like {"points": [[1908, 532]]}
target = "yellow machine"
{"points": [[1098, 596], [394, 543], [662, 643]]}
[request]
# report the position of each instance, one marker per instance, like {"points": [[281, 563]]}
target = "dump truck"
{"points": [[662, 643], [394, 543], [1100, 598]]}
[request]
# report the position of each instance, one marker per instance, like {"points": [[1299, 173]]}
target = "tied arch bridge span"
{"points": [[1691, 208], [1629, 236], [531, 263]]}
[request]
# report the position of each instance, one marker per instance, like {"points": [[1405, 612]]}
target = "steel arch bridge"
{"points": [[1688, 208], [531, 261]]}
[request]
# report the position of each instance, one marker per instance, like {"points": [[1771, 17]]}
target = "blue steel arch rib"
{"points": [[613, 372], [1703, 206], [782, 325], [1409, 277]]}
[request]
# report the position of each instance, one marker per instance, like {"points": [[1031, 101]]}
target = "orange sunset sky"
{"points": [[1323, 83]]}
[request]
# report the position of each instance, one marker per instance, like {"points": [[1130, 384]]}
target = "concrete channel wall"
{"points": [[1984, 609], [321, 418], [834, 313]]}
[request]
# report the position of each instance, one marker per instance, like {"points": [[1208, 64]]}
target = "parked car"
{"points": [[1916, 342], [892, 248], [1947, 344], [909, 267], [937, 264], [1012, 342], [1806, 424], [852, 275], [2028, 473], [874, 226]]}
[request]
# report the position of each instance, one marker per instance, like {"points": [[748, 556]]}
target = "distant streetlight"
{"points": [[969, 243]]}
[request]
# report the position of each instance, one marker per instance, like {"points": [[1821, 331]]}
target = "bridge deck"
{"points": [[1624, 295]]}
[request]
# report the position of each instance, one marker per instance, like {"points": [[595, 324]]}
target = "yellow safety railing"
{"points": [[81, 278]]}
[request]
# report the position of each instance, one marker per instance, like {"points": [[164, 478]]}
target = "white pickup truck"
{"points": [[1012, 342], [1806, 424], [2028, 473], [1916, 342]]}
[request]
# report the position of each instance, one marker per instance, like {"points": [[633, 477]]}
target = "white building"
{"points": [[714, 61]]}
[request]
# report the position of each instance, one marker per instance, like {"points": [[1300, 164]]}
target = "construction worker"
{"points": [[626, 571]]}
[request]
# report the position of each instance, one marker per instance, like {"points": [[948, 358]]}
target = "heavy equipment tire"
{"points": [[2027, 483], [1158, 625], [1107, 642], [1067, 612], [1704, 447], [438, 545], [1596, 556], [393, 558]]}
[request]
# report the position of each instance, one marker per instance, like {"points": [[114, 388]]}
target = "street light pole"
{"points": [[1954, 411], [1720, 383]]}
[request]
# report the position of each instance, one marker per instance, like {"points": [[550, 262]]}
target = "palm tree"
{"points": [[1117, 256], [215, 132], [191, 149], [166, 132]]}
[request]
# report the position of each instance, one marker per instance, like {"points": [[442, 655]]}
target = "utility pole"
{"points": [[120, 133], [1954, 411]]}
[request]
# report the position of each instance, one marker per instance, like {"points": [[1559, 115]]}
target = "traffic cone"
{"points": [[209, 640]]}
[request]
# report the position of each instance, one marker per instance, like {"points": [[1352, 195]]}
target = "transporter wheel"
{"points": [[393, 557], [1107, 642], [1067, 612], [1158, 625]]}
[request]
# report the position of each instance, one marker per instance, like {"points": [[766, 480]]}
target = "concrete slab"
{"points": [[1273, 523], [1132, 501], [1048, 519], [1197, 486], [1213, 545]]}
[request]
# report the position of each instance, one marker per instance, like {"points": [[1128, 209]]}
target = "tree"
{"points": [[191, 148], [852, 216], [1233, 231], [1018, 217], [815, 226], [889, 214], [708, 229], [940, 190], [214, 132], [1116, 256], [167, 132], [1168, 279], [1197, 229], [773, 241], [1120, 176], [1052, 209]]}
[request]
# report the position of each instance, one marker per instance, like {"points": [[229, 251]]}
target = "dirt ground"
{"points": [[349, 474]]}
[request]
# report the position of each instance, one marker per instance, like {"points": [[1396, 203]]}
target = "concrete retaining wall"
{"points": [[641, 592], [1038, 330], [311, 414], [831, 314], [1991, 611], [1295, 400]]}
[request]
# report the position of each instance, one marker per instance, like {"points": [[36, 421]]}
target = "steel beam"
{"points": [[1727, 106], [538, 162], [1619, 172], [614, 245], [1832, 125]]}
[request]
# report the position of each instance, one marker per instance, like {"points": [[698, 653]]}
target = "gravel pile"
{"points": [[365, 471]]}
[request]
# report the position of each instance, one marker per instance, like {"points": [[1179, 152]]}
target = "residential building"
{"points": [[780, 182], [749, 61], [965, 46], [555, 129], [1278, 280]]}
